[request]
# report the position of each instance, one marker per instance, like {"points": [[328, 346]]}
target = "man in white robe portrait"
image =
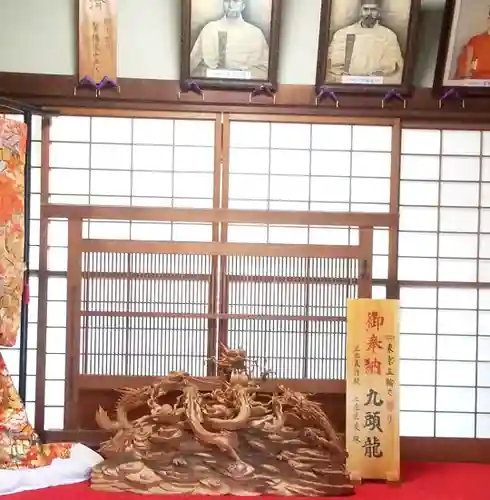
{"points": [[230, 47], [365, 49]]}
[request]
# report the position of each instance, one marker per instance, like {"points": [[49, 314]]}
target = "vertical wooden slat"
{"points": [[218, 162], [338, 272], [225, 165], [307, 312], [43, 282], [328, 329], [83, 324], [366, 263], [392, 289], [214, 274], [223, 299], [74, 295], [225, 185], [105, 305]]}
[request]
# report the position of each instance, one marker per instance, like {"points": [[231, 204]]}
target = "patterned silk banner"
{"points": [[19, 444], [12, 157], [97, 41], [372, 423]]}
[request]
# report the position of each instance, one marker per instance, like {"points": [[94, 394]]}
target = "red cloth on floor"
{"points": [[421, 481]]}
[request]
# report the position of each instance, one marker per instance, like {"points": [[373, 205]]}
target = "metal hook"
{"points": [[325, 93], [451, 94], [263, 90], [390, 96]]}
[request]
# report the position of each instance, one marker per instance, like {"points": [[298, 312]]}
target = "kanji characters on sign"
{"points": [[372, 378]]}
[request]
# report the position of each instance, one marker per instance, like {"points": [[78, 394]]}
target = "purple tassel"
{"points": [[263, 90], [325, 93], [450, 94], [393, 94], [192, 86], [89, 82]]}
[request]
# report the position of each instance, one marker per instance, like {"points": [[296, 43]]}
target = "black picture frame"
{"points": [[267, 84], [404, 88], [448, 53]]}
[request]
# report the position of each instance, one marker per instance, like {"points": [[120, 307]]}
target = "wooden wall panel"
{"points": [[159, 95]]}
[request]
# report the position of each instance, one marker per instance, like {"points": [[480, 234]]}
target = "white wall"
{"points": [[36, 38]]}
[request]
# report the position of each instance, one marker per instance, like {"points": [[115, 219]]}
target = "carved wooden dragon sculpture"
{"points": [[220, 436]]}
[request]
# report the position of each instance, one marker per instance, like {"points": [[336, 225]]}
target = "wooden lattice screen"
{"points": [[145, 314], [139, 309], [279, 309]]}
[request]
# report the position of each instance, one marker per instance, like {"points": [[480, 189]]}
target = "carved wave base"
{"points": [[266, 468]]}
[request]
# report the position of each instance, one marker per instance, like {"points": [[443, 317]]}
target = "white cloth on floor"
{"points": [[75, 469]]}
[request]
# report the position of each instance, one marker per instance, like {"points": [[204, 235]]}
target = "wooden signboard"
{"points": [[97, 41], [372, 426]]}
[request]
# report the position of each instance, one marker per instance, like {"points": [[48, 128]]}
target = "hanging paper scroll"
{"points": [[12, 157], [372, 423], [97, 44]]}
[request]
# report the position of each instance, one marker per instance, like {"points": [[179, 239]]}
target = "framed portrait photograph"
{"points": [[230, 44], [367, 46], [464, 51]]}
